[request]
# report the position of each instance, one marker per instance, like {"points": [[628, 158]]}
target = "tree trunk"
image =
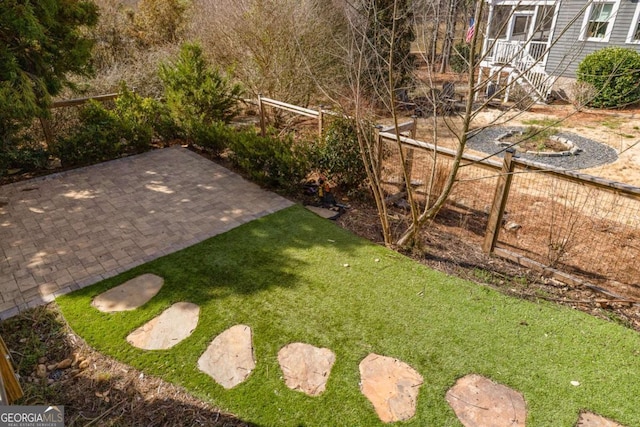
{"points": [[450, 31]]}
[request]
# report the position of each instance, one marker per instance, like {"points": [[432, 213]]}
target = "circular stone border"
{"points": [[593, 153], [571, 149]]}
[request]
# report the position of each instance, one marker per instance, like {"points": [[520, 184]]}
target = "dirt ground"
{"points": [[618, 129], [601, 238], [57, 367]]}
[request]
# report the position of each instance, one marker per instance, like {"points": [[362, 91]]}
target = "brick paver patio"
{"points": [[69, 230]]}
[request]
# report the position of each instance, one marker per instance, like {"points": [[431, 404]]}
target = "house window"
{"points": [[634, 31], [599, 20]]}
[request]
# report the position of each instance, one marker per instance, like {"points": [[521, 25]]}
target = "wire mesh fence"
{"points": [[587, 229], [580, 225], [470, 201]]}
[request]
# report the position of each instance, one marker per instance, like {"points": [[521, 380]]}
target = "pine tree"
{"points": [[41, 44], [380, 16]]}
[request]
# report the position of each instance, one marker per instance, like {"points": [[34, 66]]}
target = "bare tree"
{"points": [[278, 48], [445, 114]]}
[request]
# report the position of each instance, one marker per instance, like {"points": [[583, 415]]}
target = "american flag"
{"points": [[470, 31]]}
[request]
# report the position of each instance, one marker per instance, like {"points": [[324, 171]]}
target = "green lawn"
{"points": [[284, 276]]}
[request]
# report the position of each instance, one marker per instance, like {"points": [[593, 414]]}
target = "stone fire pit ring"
{"points": [[582, 152]]}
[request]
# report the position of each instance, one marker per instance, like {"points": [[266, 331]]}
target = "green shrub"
{"points": [[144, 120], [197, 94], [212, 137], [272, 161], [136, 117], [614, 72], [338, 155], [23, 154], [98, 137], [459, 60], [103, 134]]}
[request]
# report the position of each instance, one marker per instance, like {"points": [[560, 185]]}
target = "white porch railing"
{"points": [[527, 59], [504, 51]]}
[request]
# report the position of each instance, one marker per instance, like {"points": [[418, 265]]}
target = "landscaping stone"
{"points": [[324, 213], [592, 153], [479, 402], [391, 386], [512, 226], [64, 364], [588, 419], [169, 328], [130, 295], [229, 358], [41, 371], [306, 368]]}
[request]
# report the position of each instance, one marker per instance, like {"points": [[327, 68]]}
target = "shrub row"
{"points": [[198, 105]]}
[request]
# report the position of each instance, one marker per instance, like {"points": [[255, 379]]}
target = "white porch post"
{"points": [[480, 72], [485, 42], [532, 29], [508, 88], [553, 30]]}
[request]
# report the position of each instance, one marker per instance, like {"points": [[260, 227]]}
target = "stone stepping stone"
{"points": [[129, 295], [588, 419], [324, 213], [478, 402], [229, 358], [166, 330], [391, 386], [306, 368]]}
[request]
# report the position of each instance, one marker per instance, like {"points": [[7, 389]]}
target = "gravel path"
{"points": [[593, 153]]}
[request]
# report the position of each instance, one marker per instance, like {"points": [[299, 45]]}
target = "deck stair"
{"points": [[525, 70]]}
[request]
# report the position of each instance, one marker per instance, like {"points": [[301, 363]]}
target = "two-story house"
{"points": [[539, 44]]}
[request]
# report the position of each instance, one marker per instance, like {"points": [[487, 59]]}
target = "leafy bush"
{"points": [[103, 134], [614, 72], [338, 154], [272, 161], [143, 120], [98, 138], [135, 118], [213, 137], [23, 154], [196, 94], [459, 61]]}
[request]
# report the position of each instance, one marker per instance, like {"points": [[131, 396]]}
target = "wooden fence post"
{"points": [[378, 148], [263, 127], [10, 387], [409, 158], [499, 202], [46, 129]]}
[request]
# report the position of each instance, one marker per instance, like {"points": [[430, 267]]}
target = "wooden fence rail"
{"points": [[306, 112], [504, 170], [46, 125], [79, 101]]}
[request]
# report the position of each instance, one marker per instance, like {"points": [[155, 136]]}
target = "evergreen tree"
{"points": [[380, 17], [41, 43]]}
